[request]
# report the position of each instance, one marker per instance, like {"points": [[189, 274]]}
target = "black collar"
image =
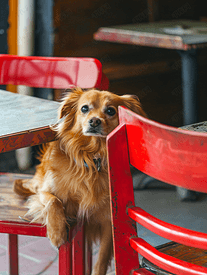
{"points": [[97, 162]]}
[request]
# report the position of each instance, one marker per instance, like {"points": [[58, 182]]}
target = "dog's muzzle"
{"points": [[94, 122], [95, 127]]}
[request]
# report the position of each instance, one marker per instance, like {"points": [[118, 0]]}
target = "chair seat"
{"points": [[11, 206], [189, 254]]}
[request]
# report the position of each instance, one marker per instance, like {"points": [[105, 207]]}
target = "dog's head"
{"points": [[95, 112]]}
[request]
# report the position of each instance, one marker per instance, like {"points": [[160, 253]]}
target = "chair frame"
{"points": [[16, 70], [137, 141]]}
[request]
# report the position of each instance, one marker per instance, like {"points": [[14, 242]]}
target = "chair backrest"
{"points": [[175, 156], [52, 72]]}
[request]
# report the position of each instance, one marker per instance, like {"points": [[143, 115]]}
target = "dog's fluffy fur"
{"points": [[68, 185]]}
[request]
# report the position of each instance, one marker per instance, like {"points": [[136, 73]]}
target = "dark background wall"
{"points": [[4, 12], [153, 74]]}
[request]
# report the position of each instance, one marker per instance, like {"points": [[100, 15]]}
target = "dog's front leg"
{"points": [[105, 251], [55, 218]]}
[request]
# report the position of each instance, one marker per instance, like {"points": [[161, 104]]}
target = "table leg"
{"points": [[189, 86], [190, 102], [190, 110]]}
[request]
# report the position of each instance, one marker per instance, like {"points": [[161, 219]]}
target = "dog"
{"points": [[71, 182]]}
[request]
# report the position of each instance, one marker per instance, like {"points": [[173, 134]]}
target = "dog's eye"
{"points": [[110, 111], [85, 109]]}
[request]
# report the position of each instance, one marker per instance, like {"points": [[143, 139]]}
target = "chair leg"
{"points": [[13, 254], [79, 253], [72, 256], [65, 259]]}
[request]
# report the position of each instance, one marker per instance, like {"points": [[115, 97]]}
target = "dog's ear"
{"points": [[67, 111], [132, 102], [70, 102]]}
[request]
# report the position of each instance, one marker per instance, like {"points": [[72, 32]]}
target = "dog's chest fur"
{"points": [[83, 190]]}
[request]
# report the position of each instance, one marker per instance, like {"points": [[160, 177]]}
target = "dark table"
{"points": [[184, 36]]}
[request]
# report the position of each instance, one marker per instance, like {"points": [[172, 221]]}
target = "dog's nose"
{"points": [[94, 122]]}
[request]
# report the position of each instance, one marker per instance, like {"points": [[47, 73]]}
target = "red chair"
{"points": [[52, 72], [168, 154], [58, 73]]}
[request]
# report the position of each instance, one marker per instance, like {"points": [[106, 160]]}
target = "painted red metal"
{"points": [[164, 261], [72, 253], [52, 72], [141, 271], [121, 192], [79, 253], [65, 259], [167, 230], [181, 153], [166, 153], [13, 254], [23, 228]]}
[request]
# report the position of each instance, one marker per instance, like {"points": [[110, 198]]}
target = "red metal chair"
{"points": [[45, 72], [175, 156], [52, 72]]}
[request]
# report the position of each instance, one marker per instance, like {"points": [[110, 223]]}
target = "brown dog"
{"points": [[71, 183]]}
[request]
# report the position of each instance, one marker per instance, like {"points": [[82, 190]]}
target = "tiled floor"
{"points": [[36, 256]]}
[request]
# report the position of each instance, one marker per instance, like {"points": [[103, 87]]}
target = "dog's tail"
{"points": [[20, 188]]}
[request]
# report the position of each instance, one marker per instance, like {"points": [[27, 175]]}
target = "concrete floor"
{"points": [[161, 200]]}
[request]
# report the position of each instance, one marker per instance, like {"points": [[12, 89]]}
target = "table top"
{"points": [[176, 34], [26, 119]]}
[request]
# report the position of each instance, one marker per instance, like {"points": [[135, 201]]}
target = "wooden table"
{"points": [[190, 36], [25, 120]]}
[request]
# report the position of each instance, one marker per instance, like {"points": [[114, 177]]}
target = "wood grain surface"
{"points": [[11, 205], [179, 251]]}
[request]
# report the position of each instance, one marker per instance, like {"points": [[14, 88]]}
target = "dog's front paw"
{"points": [[57, 234], [56, 224]]}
